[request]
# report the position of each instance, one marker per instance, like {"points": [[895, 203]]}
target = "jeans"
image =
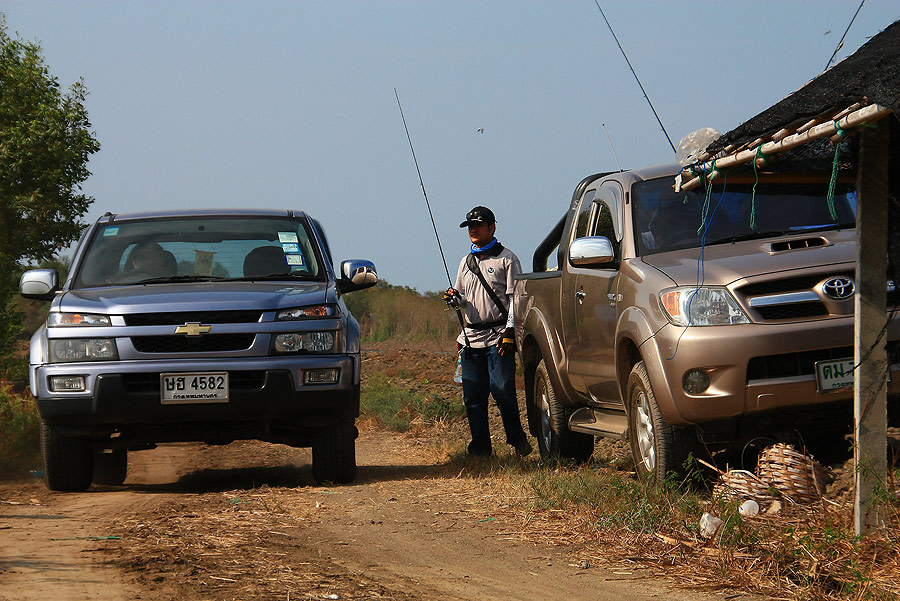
{"points": [[485, 371]]}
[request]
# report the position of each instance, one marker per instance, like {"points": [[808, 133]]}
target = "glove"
{"points": [[451, 297], [508, 342]]}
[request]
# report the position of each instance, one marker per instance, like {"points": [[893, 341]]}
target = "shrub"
{"points": [[19, 433]]}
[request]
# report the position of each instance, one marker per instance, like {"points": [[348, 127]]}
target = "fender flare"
{"points": [[635, 332]]}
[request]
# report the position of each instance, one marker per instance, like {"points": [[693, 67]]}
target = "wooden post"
{"points": [[870, 391]]}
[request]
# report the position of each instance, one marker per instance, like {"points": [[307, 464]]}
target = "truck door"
{"points": [[595, 301]]}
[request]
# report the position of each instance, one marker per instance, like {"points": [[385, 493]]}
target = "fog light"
{"points": [[696, 381], [322, 376], [66, 383]]}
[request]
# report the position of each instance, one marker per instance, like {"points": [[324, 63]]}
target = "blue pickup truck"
{"points": [[208, 326]]}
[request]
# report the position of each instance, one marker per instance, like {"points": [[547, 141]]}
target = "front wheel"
{"points": [[334, 453], [657, 447], [68, 461], [556, 441], [111, 467]]}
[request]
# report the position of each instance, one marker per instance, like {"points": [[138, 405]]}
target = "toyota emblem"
{"points": [[839, 288]]}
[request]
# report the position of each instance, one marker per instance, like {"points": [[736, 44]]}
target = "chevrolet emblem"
{"points": [[192, 329]]}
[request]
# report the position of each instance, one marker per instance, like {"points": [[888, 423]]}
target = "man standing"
{"points": [[484, 287]]}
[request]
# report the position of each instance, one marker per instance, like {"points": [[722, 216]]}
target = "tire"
{"points": [[110, 469], [657, 447], [68, 461], [334, 453], [555, 440]]}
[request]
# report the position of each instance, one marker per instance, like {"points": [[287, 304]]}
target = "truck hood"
{"points": [[193, 296], [726, 263]]}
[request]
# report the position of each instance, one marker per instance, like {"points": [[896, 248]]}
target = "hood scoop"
{"points": [[786, 245]]}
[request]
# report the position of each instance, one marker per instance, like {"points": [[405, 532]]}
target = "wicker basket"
{"points": [[797, 476], [740, 485]]}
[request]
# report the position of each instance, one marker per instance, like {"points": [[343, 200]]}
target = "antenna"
{"points": [[663, 127], [613, 147]]}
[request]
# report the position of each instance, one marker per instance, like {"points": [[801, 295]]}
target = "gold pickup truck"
{"points": [[676, 320]]}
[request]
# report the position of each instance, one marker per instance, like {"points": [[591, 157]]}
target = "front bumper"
{"points": [[267, 396], [730, 356]]}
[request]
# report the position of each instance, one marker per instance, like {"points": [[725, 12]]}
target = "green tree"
{"points": [[45, 143]]}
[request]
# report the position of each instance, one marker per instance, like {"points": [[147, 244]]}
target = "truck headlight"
{"points": [[309, 312], [76, 319], [310, 342], [703, 306], [66, 350]]}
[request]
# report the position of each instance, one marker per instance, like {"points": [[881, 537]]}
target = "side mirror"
{"points": [[591, 251], [39, 284], [357, 274]]}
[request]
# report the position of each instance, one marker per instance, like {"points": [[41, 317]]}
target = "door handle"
{"points": [[579, 296]]}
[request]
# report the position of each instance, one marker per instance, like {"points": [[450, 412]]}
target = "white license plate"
{"points": [[209, 387], [835, 374]]}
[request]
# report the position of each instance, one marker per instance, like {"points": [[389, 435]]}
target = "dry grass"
{"points": [[610, 517]]}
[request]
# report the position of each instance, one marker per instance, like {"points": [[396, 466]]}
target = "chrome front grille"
{"points": [[795, 298]]}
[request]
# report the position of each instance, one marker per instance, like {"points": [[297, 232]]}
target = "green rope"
{"points": [[834, 170], [759, 155], [709, 186]]}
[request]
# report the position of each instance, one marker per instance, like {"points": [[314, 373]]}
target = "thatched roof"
{"points": [[872, 72]]}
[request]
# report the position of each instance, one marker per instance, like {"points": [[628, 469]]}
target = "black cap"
{"points": [[478, 214]]}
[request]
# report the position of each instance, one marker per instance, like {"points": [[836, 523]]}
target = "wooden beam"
{"points": [[870, 391], [868, 114]]}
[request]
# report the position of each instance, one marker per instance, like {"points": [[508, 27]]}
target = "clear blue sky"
{"points": [[291, 104]]}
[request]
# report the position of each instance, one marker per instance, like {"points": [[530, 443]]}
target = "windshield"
{"points": [[668, 221], [200, 249]]}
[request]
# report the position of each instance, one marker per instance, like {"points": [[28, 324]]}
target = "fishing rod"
{"points": [[616, 38], [841, 43], [459, 314]]}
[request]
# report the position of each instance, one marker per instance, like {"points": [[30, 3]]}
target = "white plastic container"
{"points": [[709, 524], [749, 508]]}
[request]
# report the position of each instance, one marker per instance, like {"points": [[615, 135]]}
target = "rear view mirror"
{"points": [[357, 274], [39, 284], [591, 251]]}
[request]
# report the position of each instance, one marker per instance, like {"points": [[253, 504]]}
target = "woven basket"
{"points": [[795, 475], [740, 485]]}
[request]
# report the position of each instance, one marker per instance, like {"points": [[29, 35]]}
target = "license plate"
{"points": [[835, 374], [209, 387]]}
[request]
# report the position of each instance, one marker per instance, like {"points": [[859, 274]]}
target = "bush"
{"points": [[19, 433], [387, 311]]}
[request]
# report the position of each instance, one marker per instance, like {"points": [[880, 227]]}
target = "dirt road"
{"points": [[246, 521]]}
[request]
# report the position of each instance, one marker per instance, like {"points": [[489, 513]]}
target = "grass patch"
{"points": [[397, 408], [19, 434]]}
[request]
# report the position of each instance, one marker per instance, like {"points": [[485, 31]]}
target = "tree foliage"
{"points": [[45, 143]]}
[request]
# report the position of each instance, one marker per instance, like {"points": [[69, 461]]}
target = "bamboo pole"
{"points": [[868, 114]]}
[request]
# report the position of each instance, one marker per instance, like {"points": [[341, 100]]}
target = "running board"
{"points": [[599, 422]]}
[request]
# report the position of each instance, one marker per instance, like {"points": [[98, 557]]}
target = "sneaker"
{"points": [[523, 447], [478, 452]]}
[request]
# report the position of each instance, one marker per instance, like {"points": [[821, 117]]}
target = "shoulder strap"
{"points": [[472, 264]]}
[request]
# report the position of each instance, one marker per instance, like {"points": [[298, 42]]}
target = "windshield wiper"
{"points": [[179, 278], [271, 277], [777, 233]]}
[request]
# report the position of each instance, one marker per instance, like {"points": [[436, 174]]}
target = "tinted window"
{"points": [[667, 221], [604, 225], [129, 252], [583, 219]]}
